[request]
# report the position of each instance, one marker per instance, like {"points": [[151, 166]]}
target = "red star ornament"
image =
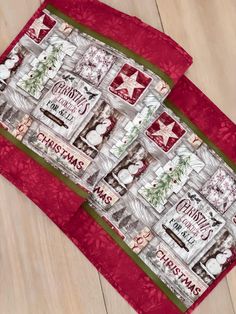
{"points": [[40, 28], [165, 132], [129, 84]]}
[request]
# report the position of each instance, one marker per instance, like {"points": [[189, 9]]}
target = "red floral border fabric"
{"points": [[35, 181], [206, 115], [63, 206]]}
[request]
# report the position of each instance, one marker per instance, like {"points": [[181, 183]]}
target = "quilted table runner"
{"points": [[102, 131]]}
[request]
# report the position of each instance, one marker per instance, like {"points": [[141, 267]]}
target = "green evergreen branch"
{"points": [[157, 194], [32, 84]]}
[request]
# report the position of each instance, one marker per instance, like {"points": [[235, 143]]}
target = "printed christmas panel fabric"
{"points": [[67, 96], [100, 118]]}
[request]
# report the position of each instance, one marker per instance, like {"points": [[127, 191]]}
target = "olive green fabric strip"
{"points": [[112, 44], [200, 134], [57, 173]]}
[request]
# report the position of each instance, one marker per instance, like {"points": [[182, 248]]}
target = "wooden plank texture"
{"points": [[41, 271], [207, 30]]}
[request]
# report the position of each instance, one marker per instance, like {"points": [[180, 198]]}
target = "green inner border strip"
{"points": [[57, 173], [113, 44], [96, 217], [200, 134]]}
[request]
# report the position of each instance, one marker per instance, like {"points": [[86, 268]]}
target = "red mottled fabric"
{"points": [[42, 187]]}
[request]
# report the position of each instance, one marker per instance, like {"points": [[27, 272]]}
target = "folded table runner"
{"points": [[150, 241]]}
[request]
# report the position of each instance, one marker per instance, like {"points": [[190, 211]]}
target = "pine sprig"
{"points": [[33, 84], [157, 194]]}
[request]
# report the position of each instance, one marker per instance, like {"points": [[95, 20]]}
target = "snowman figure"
{"points": [[127, 175], [215, 265], [7, 67], [95, 137]]}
